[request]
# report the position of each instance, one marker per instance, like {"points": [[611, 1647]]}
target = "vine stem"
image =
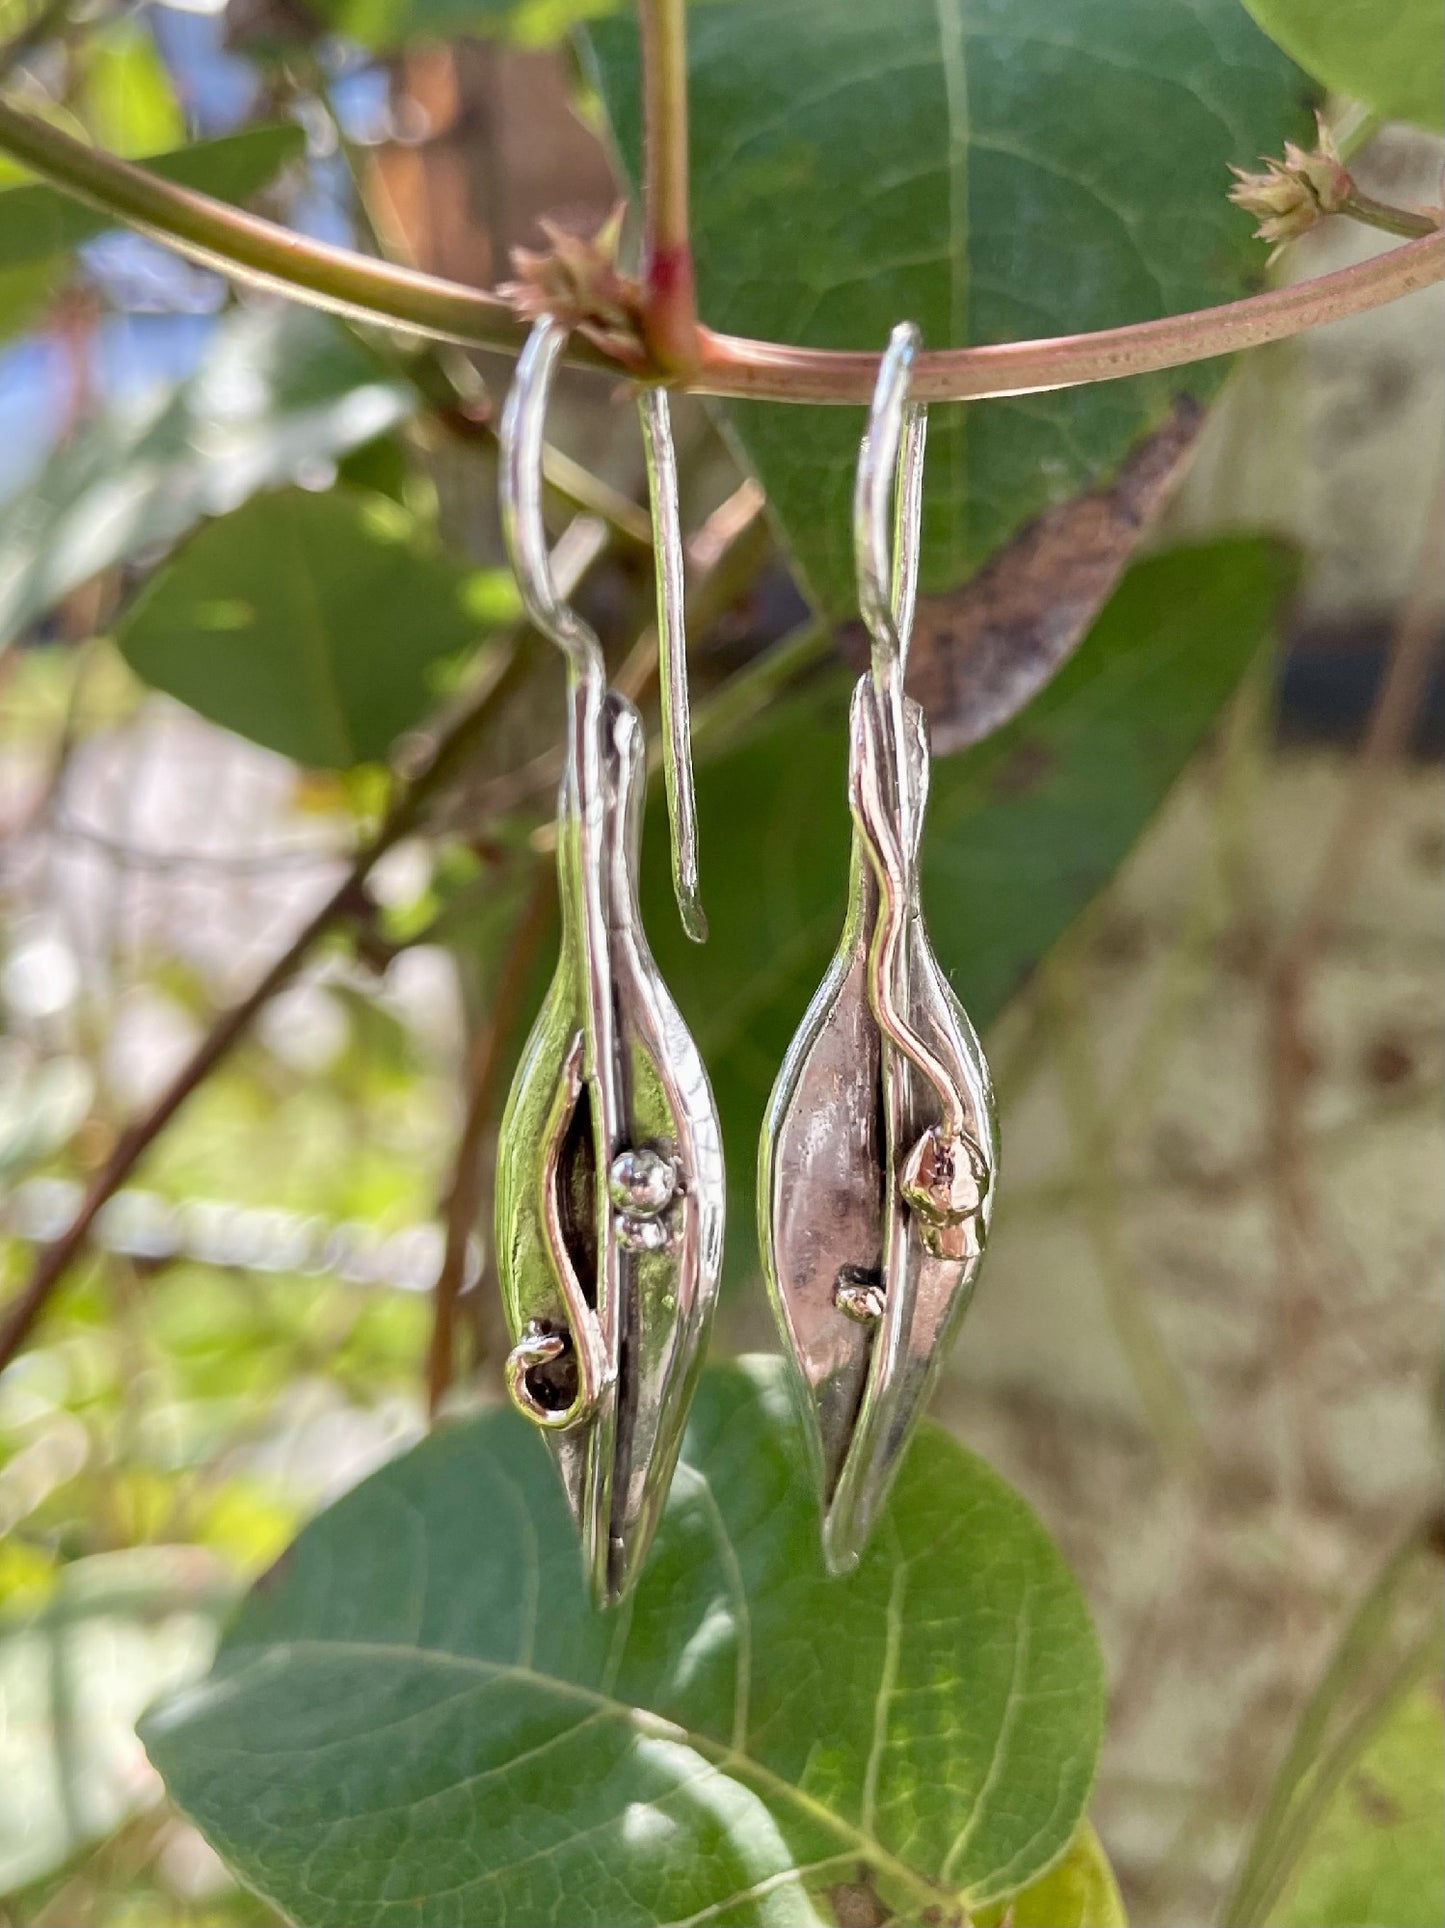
{"points": [[669, 291], [1388, 218], [251, 249]]}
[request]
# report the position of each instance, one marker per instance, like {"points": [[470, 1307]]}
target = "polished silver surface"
{"points": [[610, 1181], [879, 1151], [656, 416]]}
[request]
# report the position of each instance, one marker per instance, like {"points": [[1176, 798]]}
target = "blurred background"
{"points": [[1207, 1345]]}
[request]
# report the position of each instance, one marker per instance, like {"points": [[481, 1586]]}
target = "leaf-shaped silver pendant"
{"points": [[610, 1190], [878, 1157]]}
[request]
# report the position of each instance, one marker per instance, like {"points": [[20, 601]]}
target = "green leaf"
{"points": [[37, 222], [418, 1719], [312, 624], [1375, 1859], [1390, 57], [1321, 1808], [992, 169], [1078, 1892], [280, 390], [130, 105], [1021, 831]]}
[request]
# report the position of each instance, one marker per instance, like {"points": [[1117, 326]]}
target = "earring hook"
{"points": [[524, 419], [523, 425], [888, 507]]}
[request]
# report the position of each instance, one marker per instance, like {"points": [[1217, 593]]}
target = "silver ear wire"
{"points": [[890, 475], [609, 1164], [877, 1159]]}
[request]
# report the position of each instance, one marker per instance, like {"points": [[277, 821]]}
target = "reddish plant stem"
{"points": [[669, 293], [1390, 219], [250, 249]]}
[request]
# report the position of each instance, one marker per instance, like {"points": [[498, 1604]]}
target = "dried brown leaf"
{"points": [[982, 651]]}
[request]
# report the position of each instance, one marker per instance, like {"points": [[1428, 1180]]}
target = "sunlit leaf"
{"points": [[130, 105], [312, 624], [1375, 1859], [418, 1718], [1324, 1836]]}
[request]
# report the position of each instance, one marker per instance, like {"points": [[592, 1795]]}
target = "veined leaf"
{"points": [[418, 1719], [990, 169]]}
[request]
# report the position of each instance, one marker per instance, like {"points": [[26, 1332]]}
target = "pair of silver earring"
{"points": [[877, 1161]]}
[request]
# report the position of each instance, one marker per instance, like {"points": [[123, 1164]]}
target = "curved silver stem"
{"points": [[610, 1187], [887, 534], [524, 422], [582, 804], [656, 419]]}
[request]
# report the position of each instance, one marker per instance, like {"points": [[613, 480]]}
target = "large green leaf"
{"points": [[37, 222], [313, 624], [280, 390], [1021, 831], [1391, 57], [990, 168], [1375, 1860], [417, 1719]]}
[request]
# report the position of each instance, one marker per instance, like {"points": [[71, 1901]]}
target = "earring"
{"points": [[877, 1160], [609, 1223]]}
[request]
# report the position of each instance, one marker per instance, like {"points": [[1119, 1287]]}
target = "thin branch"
{"points": [[262, 252], [438, 764], [669, 291], [1388, 217], [483, 1084], [766, 370], [141, 1133]]}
